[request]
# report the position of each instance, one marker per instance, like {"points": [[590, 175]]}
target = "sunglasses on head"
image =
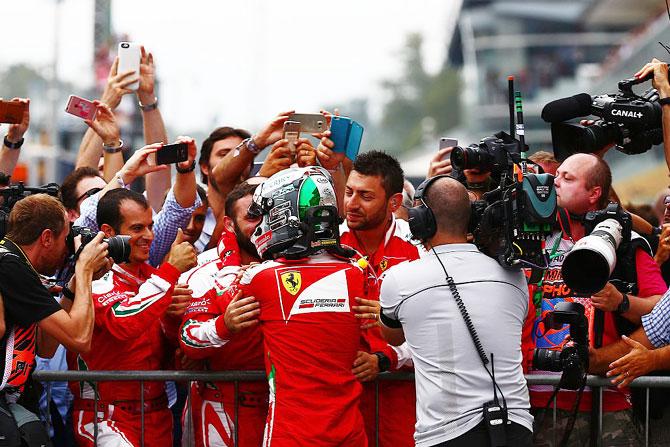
{"points": [[88, 194]]}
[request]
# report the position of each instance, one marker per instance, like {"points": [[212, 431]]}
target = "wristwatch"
{"points": [[624, 305], [16, 145], [67, 293], [113, 149], [186, 170], [252, 146], [664, 101], [149, 107], [384, 362]]}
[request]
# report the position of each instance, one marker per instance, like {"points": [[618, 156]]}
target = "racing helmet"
{"points": [[299, 213]]}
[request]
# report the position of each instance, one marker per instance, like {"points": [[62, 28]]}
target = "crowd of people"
{"points": [[320, 270]]}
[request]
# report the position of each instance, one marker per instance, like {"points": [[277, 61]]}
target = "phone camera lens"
{"points": [[124, 45]]}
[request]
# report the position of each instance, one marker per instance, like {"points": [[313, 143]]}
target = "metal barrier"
{"points": [[596, 382]]}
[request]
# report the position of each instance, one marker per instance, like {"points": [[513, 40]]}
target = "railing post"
{"points": [[95, 414], [189, 418], [377, 413], [646, 419], [237, 410], [48, 415], [600, 416], [554, 431], [142, 413]]}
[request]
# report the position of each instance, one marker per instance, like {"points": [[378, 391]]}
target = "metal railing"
{"points": [[597, 384]]}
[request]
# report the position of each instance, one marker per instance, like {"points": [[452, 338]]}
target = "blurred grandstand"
{"points": [[554, 50]]}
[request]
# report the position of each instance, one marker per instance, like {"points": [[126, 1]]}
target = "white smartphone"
{"points": [[448, 142], [129, 59]]}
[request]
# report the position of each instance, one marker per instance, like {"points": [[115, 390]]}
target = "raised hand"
{"points": [[105, 125], [17, 131], [182, 255], [117, 85]]}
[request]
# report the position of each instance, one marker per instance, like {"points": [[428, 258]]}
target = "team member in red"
{"points": [[373, 192], [310, 332], [213, 410], [130, 316]]}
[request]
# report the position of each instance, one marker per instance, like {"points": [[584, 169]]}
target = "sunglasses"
{"points": [[88, 194]]}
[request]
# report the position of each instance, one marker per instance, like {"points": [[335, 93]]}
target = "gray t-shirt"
{"points": [[451, 382]]}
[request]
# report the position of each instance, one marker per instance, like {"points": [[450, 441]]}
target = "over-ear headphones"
{"points": [[421, 218]]}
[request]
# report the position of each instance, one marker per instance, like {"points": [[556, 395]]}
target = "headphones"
{"points": [[421, 218]]}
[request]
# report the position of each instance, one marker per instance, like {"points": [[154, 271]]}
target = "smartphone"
{"points": [[169, 154], [448, 142], [83, 108], [339, 132], [292, 133], [354, 140], [310, 122], [11, 112], [129, 59]]}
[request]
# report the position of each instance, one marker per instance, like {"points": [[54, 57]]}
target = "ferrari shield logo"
{"points": [[291, 281], [383, 264]]}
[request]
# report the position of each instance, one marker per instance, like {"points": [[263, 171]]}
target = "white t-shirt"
{"points": [[451, 382]]}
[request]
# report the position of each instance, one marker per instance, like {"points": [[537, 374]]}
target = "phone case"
{"points": [[81, 107], [354, 141], [129, 59], [448, 142], [310, 122], [339, 132], [11, 112], [172, 153]]}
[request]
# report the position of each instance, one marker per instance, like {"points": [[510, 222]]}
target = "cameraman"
{"points": [[35, 245], [583, 182], [452, 384], [661, 83]]}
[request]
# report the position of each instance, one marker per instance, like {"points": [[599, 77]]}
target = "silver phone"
{"points": [[310, 122]]}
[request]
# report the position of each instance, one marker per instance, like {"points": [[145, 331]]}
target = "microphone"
{"points": [[567, 108]]}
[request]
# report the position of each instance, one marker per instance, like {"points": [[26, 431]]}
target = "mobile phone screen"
{"points": [[339, 132], [172, 153]]}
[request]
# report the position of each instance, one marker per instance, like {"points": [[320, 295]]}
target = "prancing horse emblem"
{"points": [[291, 281]]}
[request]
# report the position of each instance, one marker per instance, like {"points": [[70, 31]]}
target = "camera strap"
{"points": [[495, 415]]}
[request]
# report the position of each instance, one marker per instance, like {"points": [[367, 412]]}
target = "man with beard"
{"points": [[373, 193], [213, 403]]}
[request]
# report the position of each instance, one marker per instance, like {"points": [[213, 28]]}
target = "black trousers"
{"points": [[517, 436]]}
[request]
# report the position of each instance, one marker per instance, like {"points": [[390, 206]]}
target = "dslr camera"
{"points": [[118, 247], [511, 222], [13, 193], [573, 359], [631, 121]]}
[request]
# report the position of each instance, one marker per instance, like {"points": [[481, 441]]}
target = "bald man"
{"points": [[418, 305]]}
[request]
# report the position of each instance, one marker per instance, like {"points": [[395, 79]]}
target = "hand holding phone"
{"points": [[11, 112], [130, 54], [441, 163], [169, 154], [292, 133], [82, 108]]}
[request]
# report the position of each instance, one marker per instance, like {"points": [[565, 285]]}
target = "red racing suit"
{"points": [[397, 399], [311, 337], [203, 335], [128, 335]]}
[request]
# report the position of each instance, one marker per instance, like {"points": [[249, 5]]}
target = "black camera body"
{"points": [[511, 222], [118, 247], [13, 193], [573, 359], [631, 121]]}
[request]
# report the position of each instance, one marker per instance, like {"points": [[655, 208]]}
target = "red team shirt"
{"points": [[397, 399], [311, 338]]}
